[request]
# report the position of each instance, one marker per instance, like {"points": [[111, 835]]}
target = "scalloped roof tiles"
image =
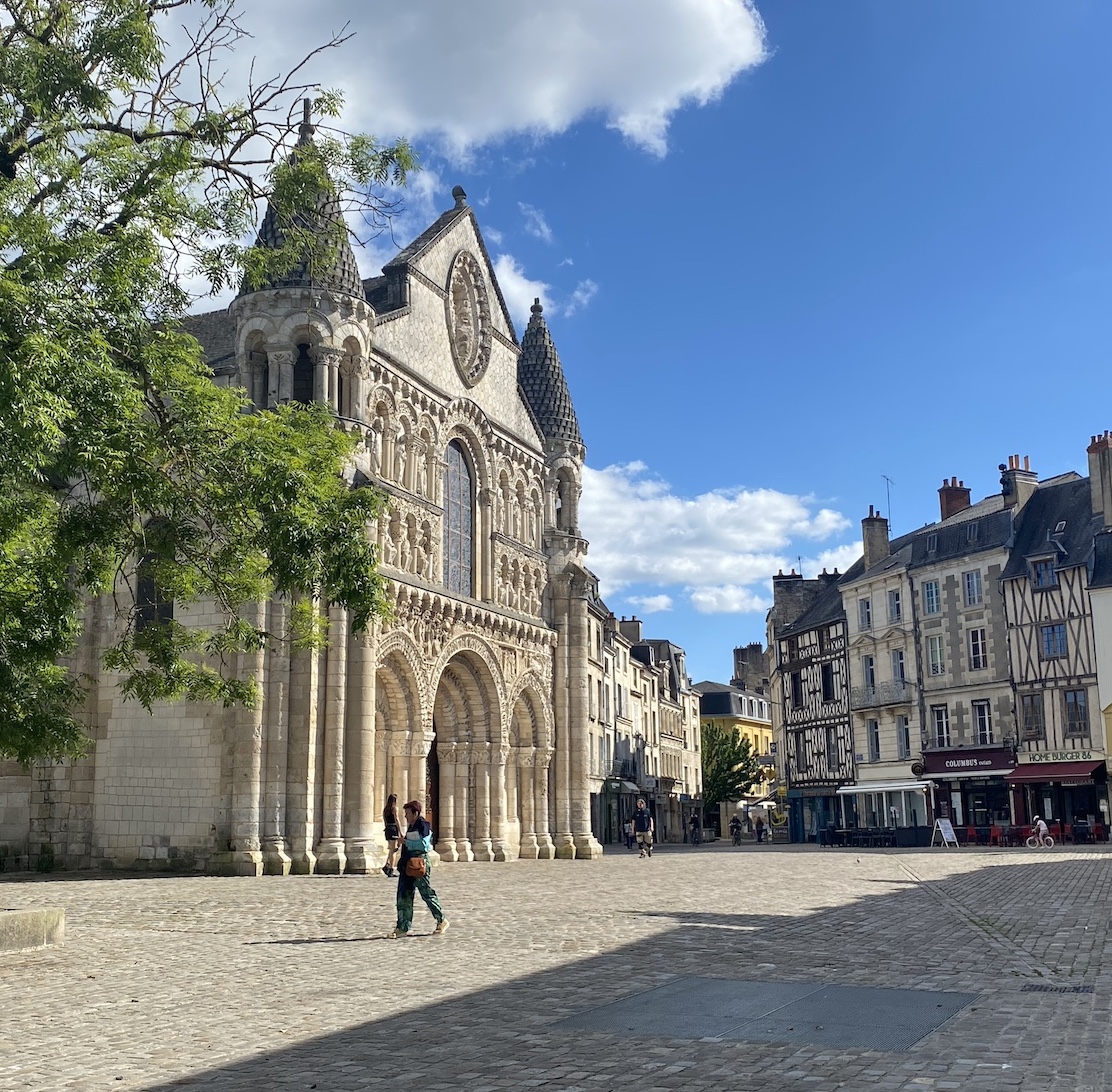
{"points": [[541, 378]]}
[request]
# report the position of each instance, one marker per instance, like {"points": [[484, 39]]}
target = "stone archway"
{"points": [[527, 792], [471, 762]]}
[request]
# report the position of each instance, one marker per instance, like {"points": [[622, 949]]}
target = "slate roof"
{"points": [[1036, 535], [1102, 561], [541, 380], [951, 539], [216, 332], [334, 269]]}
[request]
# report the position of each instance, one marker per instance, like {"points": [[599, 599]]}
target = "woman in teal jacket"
{"points": [[417, 845]]}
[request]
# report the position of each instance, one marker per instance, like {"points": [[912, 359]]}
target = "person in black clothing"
{"points": [[393, 833], [696, 829], [643, 828]]}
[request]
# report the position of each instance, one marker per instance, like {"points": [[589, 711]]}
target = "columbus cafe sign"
{"points": [[963, 762]]}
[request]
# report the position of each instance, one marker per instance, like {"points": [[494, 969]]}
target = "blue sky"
{"points": [[871, 238]]}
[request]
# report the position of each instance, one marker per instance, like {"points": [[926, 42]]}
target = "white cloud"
{"points": [[728, 599], [582, 295], [566, 261], [517, 289], [469, 74], [719, 548], [493, 235], [650, 604], [535, 223]]}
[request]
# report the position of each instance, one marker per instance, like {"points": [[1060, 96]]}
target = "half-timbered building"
{"points": [[809, 690], [1062, 750]]}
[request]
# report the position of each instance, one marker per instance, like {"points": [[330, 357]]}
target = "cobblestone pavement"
{"points": [[237, 984]]}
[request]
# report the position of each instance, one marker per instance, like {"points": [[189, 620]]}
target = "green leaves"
{"points": [[123, 463], [729, 766]]}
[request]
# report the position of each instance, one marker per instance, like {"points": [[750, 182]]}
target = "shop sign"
{"points": [[1030, 757], [964, 763]]}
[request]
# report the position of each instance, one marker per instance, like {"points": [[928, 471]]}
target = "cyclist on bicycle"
{"points": [[735, 830], [1041, 829]]}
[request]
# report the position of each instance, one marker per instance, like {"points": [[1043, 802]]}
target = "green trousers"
{"points": [[406, 886]]}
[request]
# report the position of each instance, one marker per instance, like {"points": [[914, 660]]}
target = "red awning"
{"points": [[1054, 771]]}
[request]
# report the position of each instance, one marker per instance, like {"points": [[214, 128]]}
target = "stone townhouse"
{"points": [[474, 696], [631, 714]]}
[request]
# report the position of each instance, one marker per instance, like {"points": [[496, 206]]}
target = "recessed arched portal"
{"points": [[470, 762]]}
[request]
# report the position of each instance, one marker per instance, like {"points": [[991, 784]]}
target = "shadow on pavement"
{"points": [[988, 933]]}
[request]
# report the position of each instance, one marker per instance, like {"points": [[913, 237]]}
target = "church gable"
{"points": [[454, 330]]}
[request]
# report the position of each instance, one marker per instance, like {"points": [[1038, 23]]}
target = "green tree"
{"points": [[124, 172], [729, 766]]}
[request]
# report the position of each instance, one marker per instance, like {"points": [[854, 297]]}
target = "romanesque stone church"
{"points": [[473, 696]]}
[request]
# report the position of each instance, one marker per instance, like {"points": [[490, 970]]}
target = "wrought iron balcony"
{"points": [[893, 692]]}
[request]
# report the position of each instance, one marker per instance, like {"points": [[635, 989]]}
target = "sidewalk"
{"points": [[238, 984]]}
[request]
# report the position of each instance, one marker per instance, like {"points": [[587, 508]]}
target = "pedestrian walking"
{"points": [[759, 828], [628, 829], [696, 829], [393, 831], [414, 873], [643, 827]]}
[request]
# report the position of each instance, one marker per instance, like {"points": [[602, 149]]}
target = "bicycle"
{"points": [[737, 836], [1040, 841]]}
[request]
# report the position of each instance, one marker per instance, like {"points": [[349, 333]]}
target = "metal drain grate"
{"points": [[776, 1012], [1038, 987]]}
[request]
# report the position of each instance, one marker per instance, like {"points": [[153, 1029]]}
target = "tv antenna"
{"points": [[888, 483]]}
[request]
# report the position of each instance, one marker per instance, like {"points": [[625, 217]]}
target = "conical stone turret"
{"points": [[542, 382], [329, 266]]}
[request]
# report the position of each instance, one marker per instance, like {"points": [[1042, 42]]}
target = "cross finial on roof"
{"points": [[307, 128]]}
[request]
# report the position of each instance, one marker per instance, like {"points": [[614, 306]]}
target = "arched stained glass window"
{"points": [[458, 508]]}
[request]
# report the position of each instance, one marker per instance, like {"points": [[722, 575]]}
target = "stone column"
{"points": [[419, 746], [483, 846], [577, 742], [276, 859], [503, 851], [526, 780], [570, 675], [327, 373], [363, 852], [484, 541], [546, 848], [398, 780], [320, 377], [244, 856], [331, 856], [304, 753], [462, 793], [280, 362], [447, 753]]}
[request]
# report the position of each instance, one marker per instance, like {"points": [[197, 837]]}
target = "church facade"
{"points": [[472, 695]]}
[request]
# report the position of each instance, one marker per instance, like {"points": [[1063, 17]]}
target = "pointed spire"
{"points": [[541, 377], [333, 270]]}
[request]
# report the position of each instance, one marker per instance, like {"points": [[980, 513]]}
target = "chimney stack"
{"points": [[874, 538], [1017, 483], [1100, 476], [631, 629], [953, 497]]}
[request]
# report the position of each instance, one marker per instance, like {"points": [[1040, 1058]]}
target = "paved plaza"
{"points": [[235, 984]]}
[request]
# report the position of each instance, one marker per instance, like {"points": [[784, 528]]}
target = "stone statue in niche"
{"points": [[374, 446], [399, 456]]}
